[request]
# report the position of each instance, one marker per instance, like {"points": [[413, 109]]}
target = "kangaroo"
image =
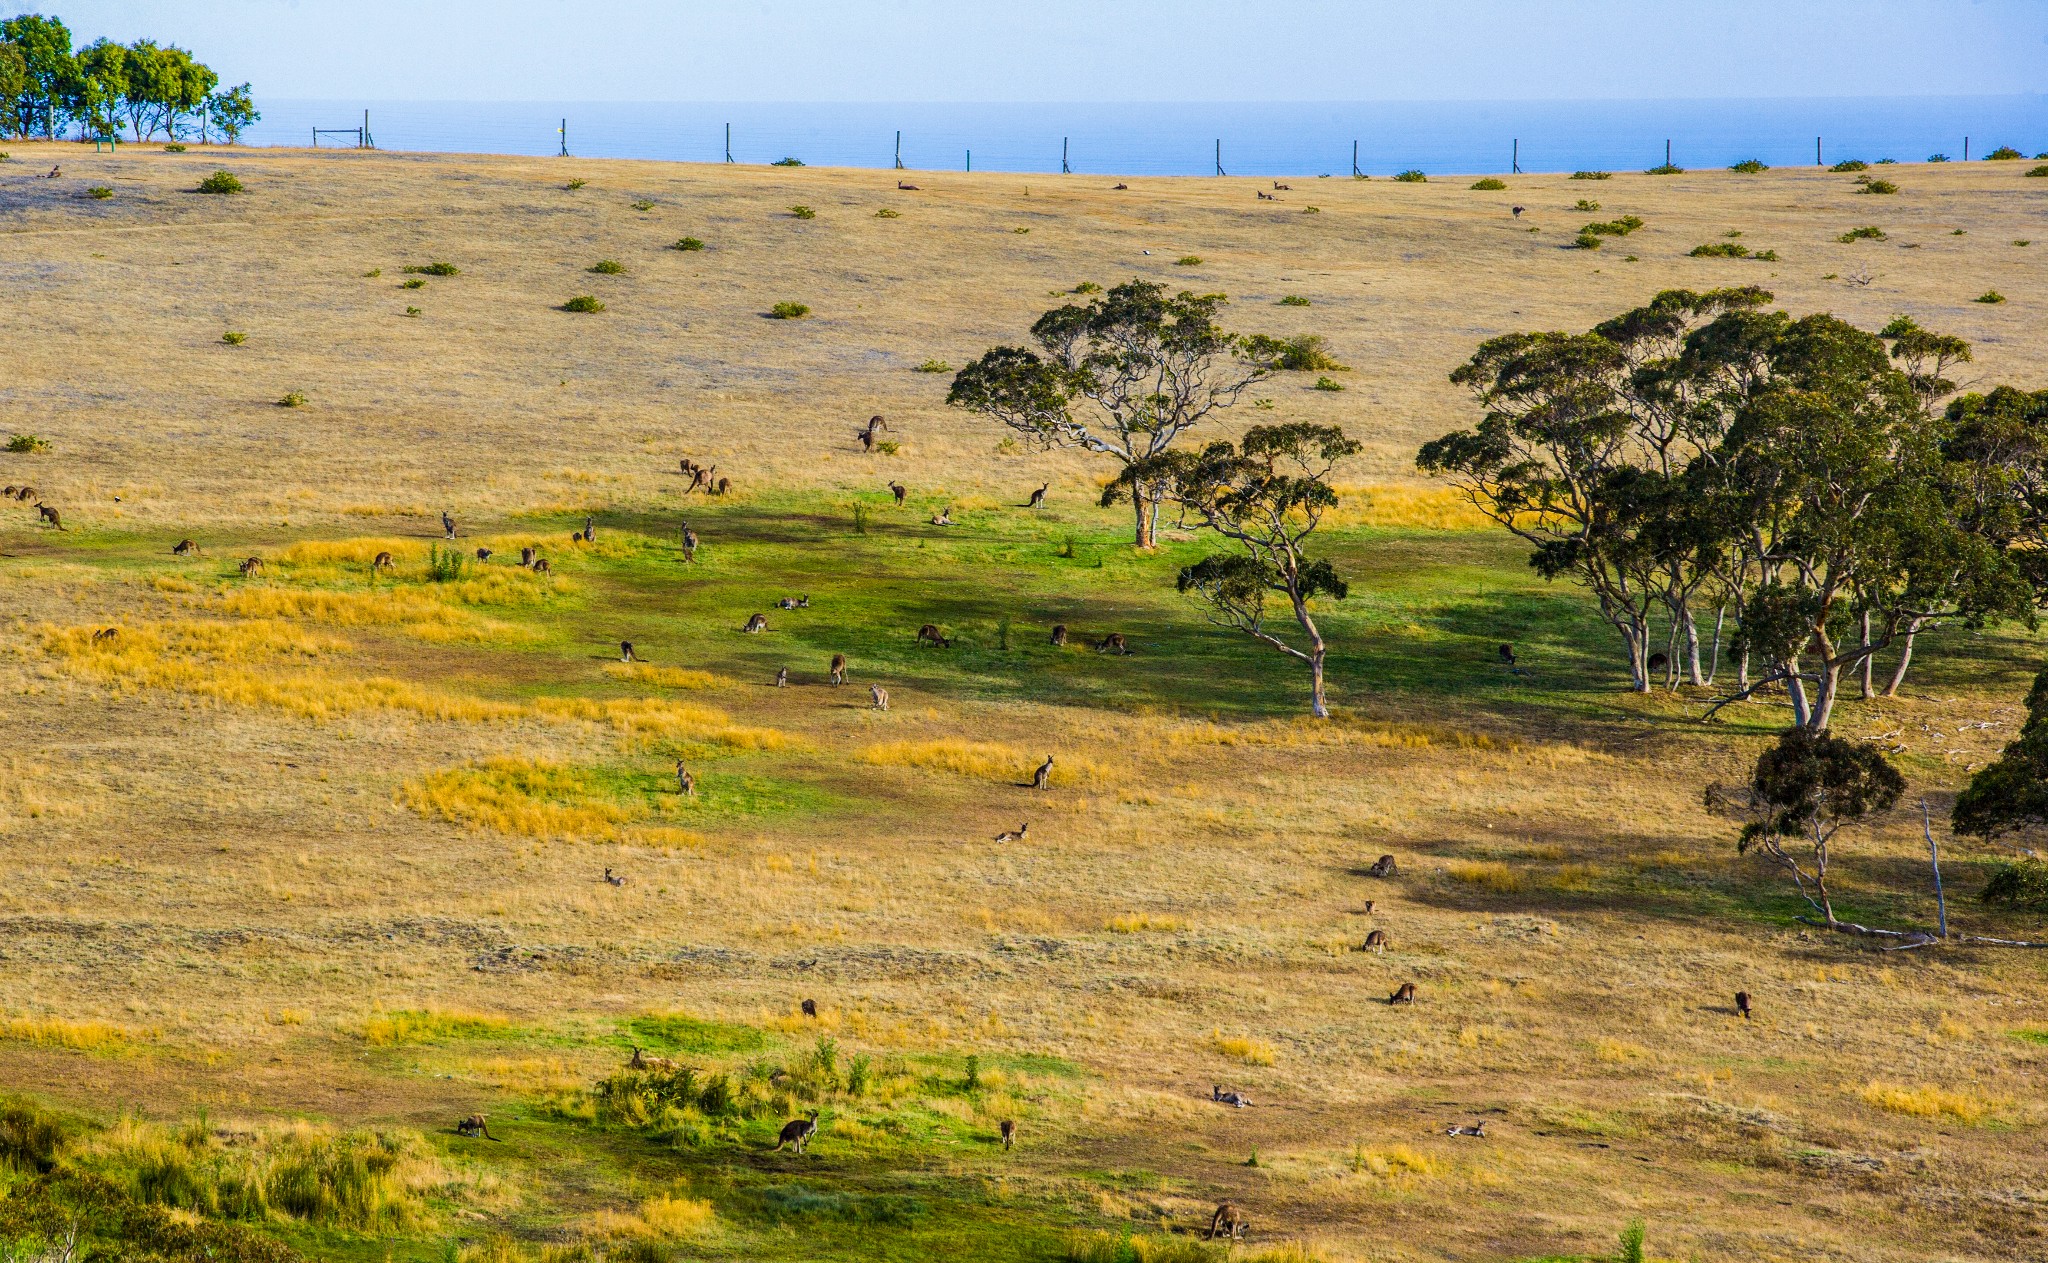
{"points": [[50, 515], [626, 651], [1042, 778], [1376, 942], [944, 517], [483, 554], [755, 625], [1037, 500], [929, 634], [1009, 1126], [575, 537], [527, 556], [1477, 1129], [722, 486], [1114, 643], [105, 634], [697, 476], [898, 490], [689, 544], [686, 784], [251, 565], [613, 879], [810, 1008], [1517, 210], [25, 494], [1367, 910], [1016, 834], [589, 529], [447, 526], [881, 696], [1059, 634], [686, 465], [1382, 867], [1228, 1220], [473, 1126], [541, 566], [1507, 655], [1404, 995], [184, 548], [1238, 1099], [838, 668], [382, 561], [641, 1061], [908, 188], [1742, 1004], [797, 1132], [782, 678]]}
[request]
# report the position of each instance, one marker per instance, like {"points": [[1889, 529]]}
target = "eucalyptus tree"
{"points": [[1124, 376], [1805, 788], [1265, 496], [50, 71], [2010, 795]]}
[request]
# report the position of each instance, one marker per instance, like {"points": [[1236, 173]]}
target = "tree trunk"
{"points": [[1691, 628], [1720, 613], [1905, 660], [1636, 636], [1317, 703], [1795, 688], [1143, 505], [1863, 668], [1829, 689]]}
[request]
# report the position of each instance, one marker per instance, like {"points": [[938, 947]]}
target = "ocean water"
{"points": [[1283, 139]]}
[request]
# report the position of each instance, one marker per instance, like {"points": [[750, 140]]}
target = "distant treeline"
{"points": [[145, 89]]}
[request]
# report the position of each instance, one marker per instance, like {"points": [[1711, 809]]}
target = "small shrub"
{"points": [[788, 311], [1325, 383], [373, 274], [1877, 186], [1188, 261], [2039, 171], [643, 205], [2004, 153], [1989, 296], [787, 162], [1614, 227], [2023, 241], [687, 244], [234, 337], [292, 400], [1766, 256], [1587, 240], [887, 447], [608, 267], [1749, 166], [886, 213], [1412, 176], [1592, 175], [220, 182], [860, 519], [1848, 166], [934, 366], [1629, 258], [973, 1082], [1294, 300], [1887, 162], [174, 147], [412, 311], [1303, 353], [1020, 231], [1586, 204], [1666, 168], [1311, 210], [27, 443], [583, 303], [434, 269], [1489, 185], [1087, 287], [414, 283], [2021, 883], [1720, 250], [1937, 157], [803, 212], [575, 184], [1632, 1242], [1868, 232], [99, 192]]}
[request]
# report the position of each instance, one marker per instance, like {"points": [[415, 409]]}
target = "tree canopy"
{"points": [[146, 88]]}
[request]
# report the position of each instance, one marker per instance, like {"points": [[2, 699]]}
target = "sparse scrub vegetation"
{"points": [[220, 182], [1849, 165], [584, 303], [1749, 166], [27, 443], [934, 366], [1720, 250], [1592, 175], [789, 311], [1412, 176], [2004, 153], [1868, 232], [688, 244], [1867, 185], [1489, 185], [234, 337], [607, 267], [802, 212], [1188, 261], [1294, 300], [99, 192]]}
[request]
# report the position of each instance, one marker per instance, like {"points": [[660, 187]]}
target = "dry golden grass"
{"points": [[661, 677], [60, 1032], [982, 760], [1145, 922], [1491, 875], [1252, 1052], [424, 1026], [1926, 1101]]}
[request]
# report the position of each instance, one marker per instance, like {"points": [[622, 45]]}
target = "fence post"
{"points": [[1064, 168], [1818, 161], [1219, 156], [1354, 159], [565, 138], [899, 149], [728, 142], [1515, 159]]}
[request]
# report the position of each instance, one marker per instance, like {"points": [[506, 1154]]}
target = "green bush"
{"points": [[803, 212], [1849, 165], [607, 267], [234, 337], [445, 565], [2004, 153], [412, 311], [1720, 250], [1989, 296], [688, 243], [1087, 287], [1188, 261], [1749, 166], [2023, 241], [1412, 176], [1876, 186], [1294, 300], [174, 147], [1302, 353], [1326, 383], [1592, 175], [1589, 236], [1666, 168], [2039, 171], [99, 192], [1020, 231], [1869, 232], [220, 182], [435, 269], [788, 311], [886, 213], [27, 443], [643, 205], [292, 400], [1632, 1242], [414, 283], [1937, 157], [787, 162], [583, 303], [1489, 185], [575, 184], [934, 366], [2021, 883], [373, 273], [1586, 205], [1766, 256], [1587, 240]]}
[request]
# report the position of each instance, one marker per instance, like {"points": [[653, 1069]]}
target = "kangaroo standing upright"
{"points": [[1042, 778]]}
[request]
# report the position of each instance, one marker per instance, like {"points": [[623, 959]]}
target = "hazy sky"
{"points": [[1091, 50]]}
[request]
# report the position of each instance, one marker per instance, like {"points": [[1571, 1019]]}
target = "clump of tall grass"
{"points": [[1925, 1101], [425, 1026], [661, 677], [607, 267], [802, 212], [980, 760], [1294, 300], [1188, 261], [292, 399], [99, 192], [61, 1032], [234, 337], [1144, 922], [886, 213], [688, 244], [1489, 874], [1989, 296], [1252, 1052], [1394, 1162]]}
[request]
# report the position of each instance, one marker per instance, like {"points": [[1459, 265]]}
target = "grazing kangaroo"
{"points": [[1382, 867], [881, 696], [797, 1132], [756, 625], [184, 548], [1238, 1099], [613, 879], [686, 465], [1009, 1126], [1016, 834], [1228, 1219], [1404, 995], [1376, 942], [898, 490], [697, 476], [1042, 778], [50, 515], [722, 486], [1114, 643], [810, 1008], [1742, 1004], [929, 634], [1037, 500], [1656, 663], [689, 543], [1059, 634], [686, 784], [626, 651], [483, 554], [251, 565], [782, 678], [105, 634], [473, 1126], [1507, 655], [541, 566], [25, 494], [382, 561], [838, 668]]}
